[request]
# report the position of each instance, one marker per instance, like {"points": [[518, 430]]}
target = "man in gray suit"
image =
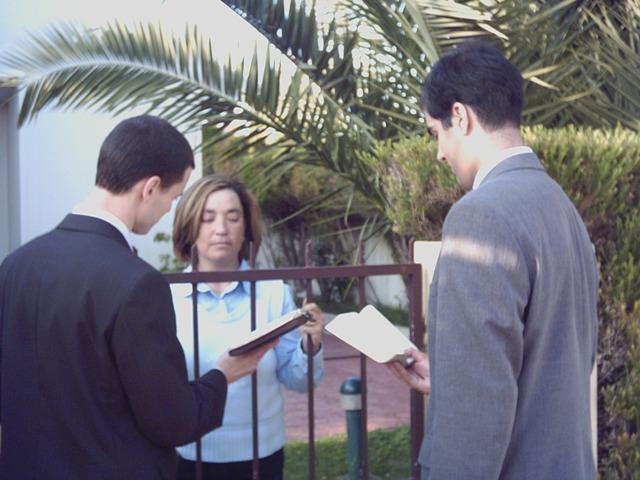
{"points": [[512, 313]]}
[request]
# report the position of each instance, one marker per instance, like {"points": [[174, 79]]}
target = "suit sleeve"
{"points": [[168, 409], [476, 345]]}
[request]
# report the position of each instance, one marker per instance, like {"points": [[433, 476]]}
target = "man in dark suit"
{"points": [[512, 310], [93, 379]]}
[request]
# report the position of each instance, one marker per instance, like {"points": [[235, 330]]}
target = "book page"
{"points": [[371, 333]]}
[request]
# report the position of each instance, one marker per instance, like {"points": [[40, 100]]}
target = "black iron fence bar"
{"points": [[414, 274], [342, 357], [255, 465], [196, 349], [416, 334], [310, 376], [362, 300], [296, 273]]}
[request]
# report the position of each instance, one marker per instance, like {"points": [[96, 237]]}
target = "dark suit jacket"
{"points": [[93, 379], [512, 333]]}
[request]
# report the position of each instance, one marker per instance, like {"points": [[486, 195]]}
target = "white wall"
{"points": [[388, 290], [58, 156]]}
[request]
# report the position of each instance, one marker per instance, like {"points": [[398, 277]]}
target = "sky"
{"points": [[230, 32]]}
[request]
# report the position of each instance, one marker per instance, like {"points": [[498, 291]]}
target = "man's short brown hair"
{"points": [[141, 147]]}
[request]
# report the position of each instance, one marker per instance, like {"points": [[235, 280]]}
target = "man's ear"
{"points": [[461, 117], [150, 185]]}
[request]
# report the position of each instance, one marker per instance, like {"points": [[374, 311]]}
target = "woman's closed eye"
{"points": [[208, 217]]}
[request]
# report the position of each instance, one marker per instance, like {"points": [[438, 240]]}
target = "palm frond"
{"points": [[401, 39], [118, 67], [324, 51]]}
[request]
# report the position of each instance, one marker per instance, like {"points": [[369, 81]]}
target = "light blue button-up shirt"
{"points": [[223, 318]]}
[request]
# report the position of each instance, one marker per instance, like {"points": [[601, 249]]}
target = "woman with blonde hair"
{"points": [[221, 218]]}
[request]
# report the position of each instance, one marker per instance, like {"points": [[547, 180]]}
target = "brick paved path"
{"points": [[388, 399]]}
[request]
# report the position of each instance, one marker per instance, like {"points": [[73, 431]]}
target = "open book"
{"points": [[372, 334], [270, 331]]}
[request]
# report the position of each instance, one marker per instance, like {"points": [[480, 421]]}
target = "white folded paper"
{"points": [[371, 333]]}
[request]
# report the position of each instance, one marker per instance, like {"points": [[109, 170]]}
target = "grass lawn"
{"points": [[389, 456]]}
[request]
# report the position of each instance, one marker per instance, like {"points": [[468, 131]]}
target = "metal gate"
{"points": [[411, 271]]}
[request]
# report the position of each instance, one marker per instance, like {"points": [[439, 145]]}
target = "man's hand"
{"points": [[417, 376], [237, 367], [313, 327]]}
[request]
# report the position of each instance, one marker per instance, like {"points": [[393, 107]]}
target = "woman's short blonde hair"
{"points": [[188, 217]]}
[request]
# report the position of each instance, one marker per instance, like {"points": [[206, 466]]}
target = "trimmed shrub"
{"points": [[417, 188]]}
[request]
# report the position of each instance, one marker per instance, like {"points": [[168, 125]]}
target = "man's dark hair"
{"points": [[141, 147], [478, 75]]}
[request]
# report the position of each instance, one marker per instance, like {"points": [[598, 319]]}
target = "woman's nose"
{"points": [[220, 226]]}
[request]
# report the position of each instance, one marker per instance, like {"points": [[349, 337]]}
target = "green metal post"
{"points": [[351, 400]]}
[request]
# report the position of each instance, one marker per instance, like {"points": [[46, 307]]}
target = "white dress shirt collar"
{"points": [[89, 209], [203, 287], [504, 154]]}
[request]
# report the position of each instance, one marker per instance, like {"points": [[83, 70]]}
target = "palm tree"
{"points": [[331, 109], [356, 79]]}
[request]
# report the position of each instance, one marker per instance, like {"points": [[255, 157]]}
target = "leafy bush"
{"points": [[168, 262], [418, 189], [600, 171], [621, 399]]}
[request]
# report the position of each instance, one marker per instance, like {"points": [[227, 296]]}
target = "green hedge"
{"points": [[600, 171], [418, 189]]}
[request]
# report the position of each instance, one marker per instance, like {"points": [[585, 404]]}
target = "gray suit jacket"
{"points": [[512, 333]]}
